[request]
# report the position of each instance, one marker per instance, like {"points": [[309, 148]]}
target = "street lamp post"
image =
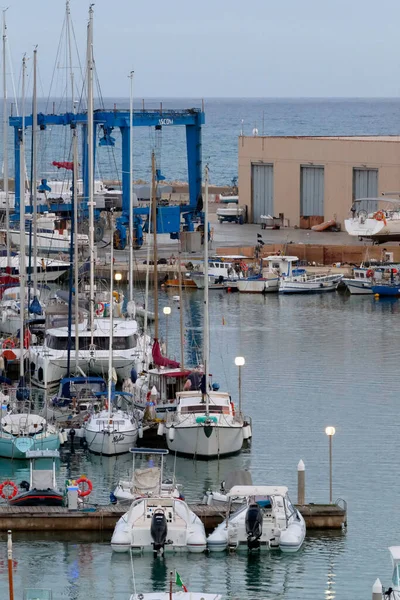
{"points": [[330, 432], [167, 312], [239, 362]]}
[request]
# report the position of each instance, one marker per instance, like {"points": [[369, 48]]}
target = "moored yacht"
{"points": [[377, 219]]}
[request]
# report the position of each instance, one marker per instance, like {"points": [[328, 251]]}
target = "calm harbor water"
{"points": [[310, 362]]}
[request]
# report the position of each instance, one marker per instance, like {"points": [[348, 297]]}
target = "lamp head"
{"points": [[167, 310], [239, 361], [118, 276], [330, 431]]}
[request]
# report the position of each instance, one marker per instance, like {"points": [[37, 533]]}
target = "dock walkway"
{"points": [[104, 518]]}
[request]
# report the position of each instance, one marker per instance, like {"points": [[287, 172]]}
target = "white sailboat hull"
{"points": [[192, 440], [110, 443], [386, 229]]}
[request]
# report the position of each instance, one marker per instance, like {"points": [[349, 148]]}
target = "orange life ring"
{"points": [[370, 273], [10, 484], [380, 216], [100, 309], [9, 343], [83, 493]]}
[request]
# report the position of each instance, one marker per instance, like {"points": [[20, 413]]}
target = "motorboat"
{"points": [[296, 280], [221, 270], [159, 524], [49, 362], [231, 212], [393, 593], [390, 289], [267, 281], [206, 425], [148, 480], [42, 487], [24, 431], [267, 520], [376, 219], [53, 235], [365, 277]]}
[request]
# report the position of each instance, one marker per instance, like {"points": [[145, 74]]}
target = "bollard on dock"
{"points": [[301, 483], [377, 590]]}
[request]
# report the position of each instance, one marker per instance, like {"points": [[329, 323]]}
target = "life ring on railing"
{"points": [[9, 343], [83, 493], [380, 216], [9, 484], [370, 273], [100, 309]]}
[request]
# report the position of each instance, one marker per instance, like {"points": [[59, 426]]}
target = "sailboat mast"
{"points": [[146, 292], [181, 308], [34, 172], [130, 189], [5, 139], [22, 269], [206, 351], [76, 245], [110, 354], [155, 248], [90, 142]]}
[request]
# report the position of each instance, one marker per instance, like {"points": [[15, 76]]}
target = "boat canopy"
{"points": [[278, 257], [257, 490]]}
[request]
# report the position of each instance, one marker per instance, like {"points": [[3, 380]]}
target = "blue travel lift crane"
{"points": [[168, 217]]}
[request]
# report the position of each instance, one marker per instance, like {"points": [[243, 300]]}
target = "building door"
{"points": [[365, 185], [262, 196], [312, 192]]}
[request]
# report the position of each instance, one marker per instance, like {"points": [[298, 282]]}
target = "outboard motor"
{"points": [[254, 521], [159, 530]]}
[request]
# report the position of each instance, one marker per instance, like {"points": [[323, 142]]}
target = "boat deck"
{"points": [[102, 518]]}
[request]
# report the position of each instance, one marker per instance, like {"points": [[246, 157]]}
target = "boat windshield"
{"points": [[396, 575], [201, 408], [100, 343]]}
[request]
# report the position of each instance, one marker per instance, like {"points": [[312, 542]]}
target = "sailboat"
{"points": [[205, 424], [88, 340], [24, 431]]}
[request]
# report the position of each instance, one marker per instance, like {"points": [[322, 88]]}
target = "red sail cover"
{"points": [[160, 360], [69, 166]]}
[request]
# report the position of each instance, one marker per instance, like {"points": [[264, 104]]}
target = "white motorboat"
{"points": [[49, 362], [231, 212], [266, 521], [205, 428], [376, 219], [393, 593], [159, 524], [268, 280], [52, 235], [146, 481], [222, 270], [296, 280], [216, 497]]}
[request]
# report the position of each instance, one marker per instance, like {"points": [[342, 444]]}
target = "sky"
{"points": [[220, 48]]}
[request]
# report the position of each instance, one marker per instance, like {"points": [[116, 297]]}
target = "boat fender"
{"points": [[61, 438], [11, 484], [160, 429], [171, 434], [83, 493], [140, 432]]}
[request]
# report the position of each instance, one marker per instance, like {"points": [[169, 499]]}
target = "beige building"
{"points": [[313, 179]]}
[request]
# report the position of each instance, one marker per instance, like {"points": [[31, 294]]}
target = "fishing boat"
{"points": [[390, 289], [267, 520], [376, 219], [148, 480], [159, 523], [53, 235], [221, 271], [301, 282], [41, 490], [205, 424], [365, 277], [23, 431]]}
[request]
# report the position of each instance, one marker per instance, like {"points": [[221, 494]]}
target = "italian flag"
{"points": [[178, 581]]}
